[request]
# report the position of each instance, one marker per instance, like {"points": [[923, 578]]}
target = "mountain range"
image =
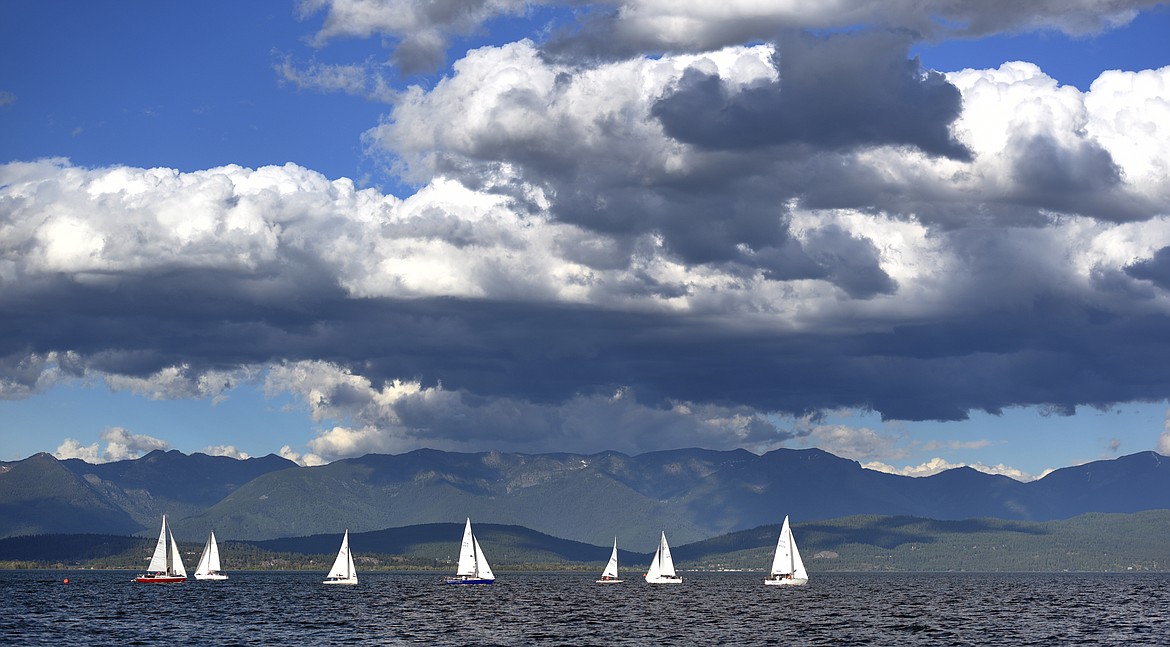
{"points": [[692, 494]]}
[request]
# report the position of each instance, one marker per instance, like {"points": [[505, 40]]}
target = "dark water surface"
{"points": [[106, 608]]}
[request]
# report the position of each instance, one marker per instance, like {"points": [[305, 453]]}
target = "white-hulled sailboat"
{"points": [[166, 566], [208, 568], [343, 571], [473, 566], [787, 567], [610, 574], [662, 567]]}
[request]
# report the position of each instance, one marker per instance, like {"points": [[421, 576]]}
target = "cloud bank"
{"points": [[616, 251]]}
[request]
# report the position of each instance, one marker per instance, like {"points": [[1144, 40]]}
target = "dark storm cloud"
{"points": [[1155, 269], [852, 262], [1056, 352], [1082, 178], [838, 92]]}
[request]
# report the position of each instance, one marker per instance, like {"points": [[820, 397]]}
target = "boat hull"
{"points": [[794, 581], [159, 579], [610, 581], [664, 580], [340, 580], [469, 580], [210, 576]]}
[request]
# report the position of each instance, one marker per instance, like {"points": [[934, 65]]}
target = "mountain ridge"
{"points": [[692, 494]]}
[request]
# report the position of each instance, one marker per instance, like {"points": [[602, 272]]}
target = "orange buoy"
{"points": [[66, 580]]}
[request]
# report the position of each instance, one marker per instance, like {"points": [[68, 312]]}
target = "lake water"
{"points": [[106, 608]]}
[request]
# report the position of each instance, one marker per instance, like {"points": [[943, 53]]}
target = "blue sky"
{"points": [[335, 227]]}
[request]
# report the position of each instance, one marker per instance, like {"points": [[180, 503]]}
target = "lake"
{"points": [[293, 608]]}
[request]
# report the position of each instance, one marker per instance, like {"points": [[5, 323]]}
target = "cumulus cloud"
{"points": [[578, 233], [399, 416], [841, 91], [419, 33], [120, 445], [1163, 447], [936, 465], [225, 450], [305, 460], [630, 27], [420, 30]]}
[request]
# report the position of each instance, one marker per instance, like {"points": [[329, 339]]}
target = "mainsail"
{"points": [[787, 566], [343, 566], [787, 560], [662, 567], [158, 561], [166, 565], [473, 567], [472, 562], [209, 560], [611, 569]]}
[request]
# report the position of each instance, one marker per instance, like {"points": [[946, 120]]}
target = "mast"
{"points": [[170, 560], [213, 556]]}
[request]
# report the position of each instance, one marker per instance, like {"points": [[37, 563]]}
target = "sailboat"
{"points": [[610, 574], [166, 565], [473, 566], [208, 568], [343, 571], [662, 567], [787, 567]]}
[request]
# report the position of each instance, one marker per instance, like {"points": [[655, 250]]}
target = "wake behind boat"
{"points": [[610, 574], [166, 566], [209, 567], [473, 566], [662, 567], [787, 567], [343, 571]]}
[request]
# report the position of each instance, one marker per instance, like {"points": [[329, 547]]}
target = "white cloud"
{"points": [[420, 31], [364, 80], [71, 448], [1164, 440], [304, 460], [421, 28], [856, 443], [225, 450], [24, 375], [179, 382], [934, 445], [936, 465], [120, 445], [401, 416]]}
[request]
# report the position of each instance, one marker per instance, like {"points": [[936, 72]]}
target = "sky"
{"points": [[325, 228]]}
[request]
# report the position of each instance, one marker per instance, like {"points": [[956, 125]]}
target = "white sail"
{"points": [[482, 570], [610, 574], [611, 569], [782, 560], [204, 565], [158, 561], [342, 566], [213, 556], [662, 567], [798, 571], [176, 560], [473, 566], [666, 563], [467, 551], [787, 566], [655, 570], [209, 566]]}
